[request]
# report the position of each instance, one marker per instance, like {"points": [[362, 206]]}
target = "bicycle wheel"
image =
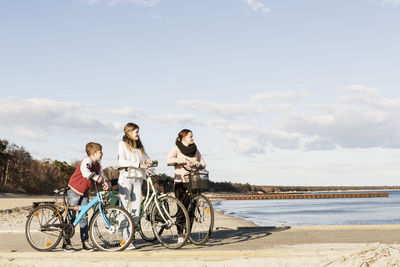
{"points": [[202, 220], [43, 228], [170, 222], [145, 225], [114, 238]]}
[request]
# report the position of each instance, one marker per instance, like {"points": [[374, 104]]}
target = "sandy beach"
{"points": [[235, 242]]}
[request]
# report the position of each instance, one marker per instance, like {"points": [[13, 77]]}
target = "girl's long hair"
{"points": [[131, 144]]}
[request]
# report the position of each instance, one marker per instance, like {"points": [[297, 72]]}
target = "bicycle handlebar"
{"points": [[153, 165], [61, 190], [183, 165]]}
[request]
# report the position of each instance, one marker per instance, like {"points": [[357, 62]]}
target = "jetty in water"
{"points": [[215, 197]]}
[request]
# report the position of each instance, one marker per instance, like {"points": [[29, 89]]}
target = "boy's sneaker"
{"points": [[68, 248], [87, 246], [132, 246]]}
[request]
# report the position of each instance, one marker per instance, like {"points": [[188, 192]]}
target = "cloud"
{"points": [[361, 119], [225, 125], [157, 17], [289, 95], [148, 3], [39, 116], [369, 96], [256, 6], [262, 137], [246, 146], [176, 118], [392, 3], [36, 136], [228, 110], [319, 143], [367, 120], [130, 112], [173, 81]]}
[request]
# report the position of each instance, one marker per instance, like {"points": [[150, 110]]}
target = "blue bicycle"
{"points": [[111, 228]]}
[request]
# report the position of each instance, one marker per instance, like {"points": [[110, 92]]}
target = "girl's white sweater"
{"points": [[127, 158]]}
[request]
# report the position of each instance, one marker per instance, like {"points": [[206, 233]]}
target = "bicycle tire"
{"points": [[119, 236], [40, 230], [146, 225], [203, 221], [167, 231]]}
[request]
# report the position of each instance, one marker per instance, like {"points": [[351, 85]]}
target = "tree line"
{"points": [[20, 173]]}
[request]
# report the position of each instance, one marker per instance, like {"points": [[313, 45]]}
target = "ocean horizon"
{"points": [[302, 212]]}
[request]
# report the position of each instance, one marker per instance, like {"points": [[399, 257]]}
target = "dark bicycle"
{"points": [[200, 209]]}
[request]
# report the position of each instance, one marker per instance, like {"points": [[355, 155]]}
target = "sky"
{"points": [[275, 92]]}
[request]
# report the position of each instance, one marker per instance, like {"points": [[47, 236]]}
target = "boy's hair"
{"points": [[92, 147]]}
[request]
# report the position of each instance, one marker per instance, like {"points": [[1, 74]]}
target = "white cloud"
{"points": [[173, 81], [30, 134], [257, 6], [138, 2], [176, 118], [367, 120], [262, 137], [149, 3], [369, 96], [130, 112], [43, 115], [225, 125], [364, 119], [246, 146], [230, 110], [392, 3], [360, 89], [318, 143], [288, 95]]}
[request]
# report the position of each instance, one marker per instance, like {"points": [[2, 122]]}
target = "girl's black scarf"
{"points": [[189, 151]]}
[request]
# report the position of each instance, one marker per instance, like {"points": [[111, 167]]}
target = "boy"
{"points": [[81, 181]]}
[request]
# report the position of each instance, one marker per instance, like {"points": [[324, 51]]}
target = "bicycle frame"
{"points": [[83, 209], [151, 198]]}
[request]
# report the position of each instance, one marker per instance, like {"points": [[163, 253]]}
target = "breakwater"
{"points": [[214, 197]]}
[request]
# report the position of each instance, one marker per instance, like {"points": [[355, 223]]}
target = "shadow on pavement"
{"points": [[223, 236]]}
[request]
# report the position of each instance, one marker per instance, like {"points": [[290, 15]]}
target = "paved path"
{"points": [[243, 243]]}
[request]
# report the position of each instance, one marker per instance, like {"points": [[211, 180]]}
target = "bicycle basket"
{"points": [[198, 180], [160, 182]]}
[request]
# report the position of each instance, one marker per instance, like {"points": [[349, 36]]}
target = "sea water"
{"points": [[331, 211]]}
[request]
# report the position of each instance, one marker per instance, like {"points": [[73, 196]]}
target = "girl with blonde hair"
{"points": [[131, 153]]}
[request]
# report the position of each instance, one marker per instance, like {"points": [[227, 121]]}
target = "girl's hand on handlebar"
{"points": [[149, 161], [194, 163], [144, 165], [182, 161]]}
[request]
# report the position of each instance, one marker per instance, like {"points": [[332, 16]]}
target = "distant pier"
{"points": [[215, 197]]}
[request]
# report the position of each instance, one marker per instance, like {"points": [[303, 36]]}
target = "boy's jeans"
{"points": [[73, 200]]}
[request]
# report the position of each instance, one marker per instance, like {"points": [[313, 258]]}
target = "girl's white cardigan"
{"points": [[127, 158]]}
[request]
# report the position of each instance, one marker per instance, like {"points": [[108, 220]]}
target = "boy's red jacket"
{"points": [[82, 179]]}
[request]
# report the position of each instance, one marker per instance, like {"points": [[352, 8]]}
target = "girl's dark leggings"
{"points": [[182, 193]]}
